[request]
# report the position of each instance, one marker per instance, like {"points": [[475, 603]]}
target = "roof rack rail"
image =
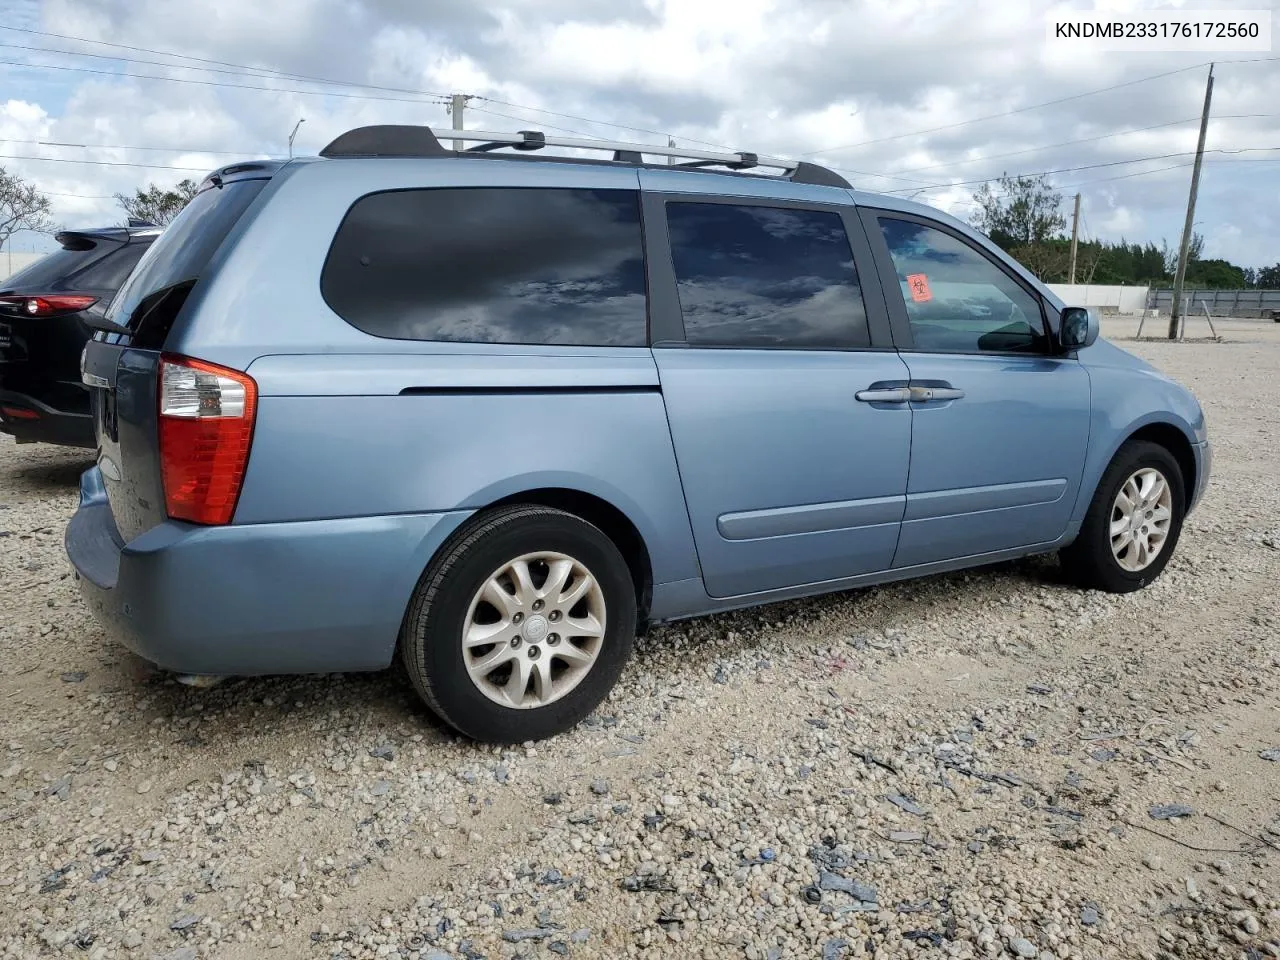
{"points": [[414, 141]]}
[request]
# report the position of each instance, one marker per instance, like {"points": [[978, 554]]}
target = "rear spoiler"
{"points": [[87, 240]]}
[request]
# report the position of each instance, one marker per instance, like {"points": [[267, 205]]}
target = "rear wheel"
{"points": [[1133, 524], [521, 626]]}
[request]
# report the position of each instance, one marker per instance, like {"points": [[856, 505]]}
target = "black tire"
{"points": [[430, 640], [1089, 561]]}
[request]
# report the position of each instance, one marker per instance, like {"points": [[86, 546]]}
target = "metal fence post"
{"points": [[1208, 316]]}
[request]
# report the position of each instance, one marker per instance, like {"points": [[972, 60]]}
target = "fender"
{"points": [[1126, 395]]}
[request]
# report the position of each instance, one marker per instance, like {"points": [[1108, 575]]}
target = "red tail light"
{"points": [[19, 413], [49, 306], [206, 428]]}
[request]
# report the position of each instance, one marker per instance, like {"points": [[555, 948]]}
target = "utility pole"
{"points": [[1075, 237], [671, 142], [1181, 273], [456, 108]]}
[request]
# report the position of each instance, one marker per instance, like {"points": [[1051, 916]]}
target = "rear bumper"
{"points": [[49, 425], [319, 596]]}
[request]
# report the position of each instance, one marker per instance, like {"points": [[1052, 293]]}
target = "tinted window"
{"points": [[754, 276], [112, 270], [492, 265], [50, 272], [184, 248], [958, 300]]}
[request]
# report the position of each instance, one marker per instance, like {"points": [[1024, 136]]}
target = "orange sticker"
{"points": [[919, 285]]}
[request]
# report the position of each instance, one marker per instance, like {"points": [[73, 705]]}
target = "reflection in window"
{"points": [[958, 300], [755, 276], [492, 265], [113, 270]]}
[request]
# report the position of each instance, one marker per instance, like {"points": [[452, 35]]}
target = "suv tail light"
{"points": [[52, 305], [206, 428]]}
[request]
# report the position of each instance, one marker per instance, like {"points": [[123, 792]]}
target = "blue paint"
{"points": [[750, 475]]}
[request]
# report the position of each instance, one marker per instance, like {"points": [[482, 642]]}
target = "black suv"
{"points": [[46, 316]]}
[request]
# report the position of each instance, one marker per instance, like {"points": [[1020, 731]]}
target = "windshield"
{"points": [[185, 247]]}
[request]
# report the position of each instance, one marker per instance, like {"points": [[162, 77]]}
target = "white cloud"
{"points": [[1118, 222], [787, 78]]}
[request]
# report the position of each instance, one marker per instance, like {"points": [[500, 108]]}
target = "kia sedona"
{"points": [[493, 411]]}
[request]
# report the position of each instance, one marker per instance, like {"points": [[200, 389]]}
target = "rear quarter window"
{"points": [[492, 265]]}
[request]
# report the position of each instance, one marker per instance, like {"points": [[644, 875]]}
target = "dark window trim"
{"points": [[898, 306], [666, 317], [644, 252]]}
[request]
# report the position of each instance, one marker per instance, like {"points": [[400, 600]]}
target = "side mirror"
{"points": [[1078, 328]]}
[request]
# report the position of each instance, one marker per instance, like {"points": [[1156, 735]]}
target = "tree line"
{"points": [[1024, 216]]}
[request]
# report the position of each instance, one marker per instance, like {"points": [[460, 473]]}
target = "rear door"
{"points": [[121, 367], [1000, 419], [784, 395]]}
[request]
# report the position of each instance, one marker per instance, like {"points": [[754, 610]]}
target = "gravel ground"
{"points": [[978, 765]]}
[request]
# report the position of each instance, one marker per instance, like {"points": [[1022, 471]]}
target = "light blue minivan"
{"points": [[497, 409]]}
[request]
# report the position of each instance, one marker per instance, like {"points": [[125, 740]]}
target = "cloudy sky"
{"points": [[904, 96]]}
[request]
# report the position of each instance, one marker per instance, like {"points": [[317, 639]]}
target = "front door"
{"points": [[763, 343], [1000, 420]]}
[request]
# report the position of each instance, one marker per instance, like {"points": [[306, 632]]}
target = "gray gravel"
{"points": [[964, 766]]}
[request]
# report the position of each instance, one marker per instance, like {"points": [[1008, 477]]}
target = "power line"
{"points": [[1033, 106], [606, 123], [1050, 146], [265, 72], [1126, 176], [436, 96], [507, 116], [1006, 113], [124, 146], [248, 72], [212, 83], [222, 63], [1122, 176], [75, 196], [1064, 143], [105, 163], [1068, 143], [1087, 166]]}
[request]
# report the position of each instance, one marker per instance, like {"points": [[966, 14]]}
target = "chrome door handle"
{"points": [[886, 395], [925, 394]]}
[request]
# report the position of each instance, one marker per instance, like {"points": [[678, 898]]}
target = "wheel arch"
{"points": [[610, 519], [1168, 433], [1173, 439]]}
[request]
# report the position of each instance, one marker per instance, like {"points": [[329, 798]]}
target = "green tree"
{"points": [[1019, 211], [22, 207], [158, 205], [1269, 277], [1215, 274]]}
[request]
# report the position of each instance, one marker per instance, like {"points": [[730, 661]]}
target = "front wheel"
{"points": [[521, 626], [1133, 523]]}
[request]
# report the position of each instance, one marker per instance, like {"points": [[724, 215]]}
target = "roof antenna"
{"points": [[301, 121]]}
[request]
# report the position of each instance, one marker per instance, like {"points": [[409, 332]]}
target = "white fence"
{"points": [[1121, 299], [11, 263]]}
